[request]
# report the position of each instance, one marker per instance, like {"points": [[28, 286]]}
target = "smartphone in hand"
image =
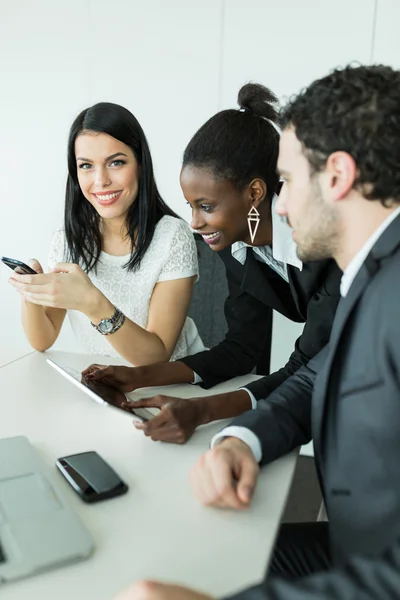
{"points": [[17, 266]]}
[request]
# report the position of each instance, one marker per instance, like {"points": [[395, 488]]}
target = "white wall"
{"points": [[386, 48], [173, 64]]}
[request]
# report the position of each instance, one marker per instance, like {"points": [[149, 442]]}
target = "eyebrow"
{"points": [[282, 172], [105, 160], [202, 201]]}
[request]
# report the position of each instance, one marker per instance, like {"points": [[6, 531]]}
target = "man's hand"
{"points": [[123, 379], [150, 590], [176, 421], [226, 475]]}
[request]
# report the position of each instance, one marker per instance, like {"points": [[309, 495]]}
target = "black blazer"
{"points": [[254, 290], [348, 398]]}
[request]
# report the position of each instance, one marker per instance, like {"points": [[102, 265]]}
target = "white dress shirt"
{"points": [[355, 264], [282, 253], [349, 274]]}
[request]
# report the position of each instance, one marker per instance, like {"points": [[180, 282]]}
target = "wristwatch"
{"points": [[111, 325]]}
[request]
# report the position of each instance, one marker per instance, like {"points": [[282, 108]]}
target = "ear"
{"points": [[258, 191], [341, 171]]}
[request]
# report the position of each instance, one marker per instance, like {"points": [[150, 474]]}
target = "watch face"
{"points": [[105, 326]]}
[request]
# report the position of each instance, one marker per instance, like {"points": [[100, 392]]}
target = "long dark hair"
{"points": [[240, 145], [81, 220]]}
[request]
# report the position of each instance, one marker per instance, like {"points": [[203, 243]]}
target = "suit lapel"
{"points": [[387, 245], [344, 310]]}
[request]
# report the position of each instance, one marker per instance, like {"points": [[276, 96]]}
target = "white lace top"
{"points": [[171, 255]]}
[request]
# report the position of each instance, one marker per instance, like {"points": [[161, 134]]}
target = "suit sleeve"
{"points": [[249, 335], [282, 422], [320, 315], [360, 578]]}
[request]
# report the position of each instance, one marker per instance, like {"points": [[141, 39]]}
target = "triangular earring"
{"points": [[253, 221]]}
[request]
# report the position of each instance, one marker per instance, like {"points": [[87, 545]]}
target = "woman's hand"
{"points": [[67, 287], [35, 265], [124, 379]]}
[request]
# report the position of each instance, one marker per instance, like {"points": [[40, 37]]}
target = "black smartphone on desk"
{"points": [[17, 266], [91, 477]]}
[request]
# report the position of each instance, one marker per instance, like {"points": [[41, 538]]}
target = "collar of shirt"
{"points": [[355, 264], [283, 246]]}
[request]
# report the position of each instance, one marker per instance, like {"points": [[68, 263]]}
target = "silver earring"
{"points": [[253, 221]]}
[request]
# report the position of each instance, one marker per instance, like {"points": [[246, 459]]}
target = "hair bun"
{"points": [[259, 100]]}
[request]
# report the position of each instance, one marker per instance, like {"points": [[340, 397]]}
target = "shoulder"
{"points": [[175, 247], [235, 270], [174, 232], [57, 251], [229, 260], [173, 225], [321, 275], [58, 240], [59, 235], [387, 282]]}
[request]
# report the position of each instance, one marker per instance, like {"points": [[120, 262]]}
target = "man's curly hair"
{"points": [[357, 110]]}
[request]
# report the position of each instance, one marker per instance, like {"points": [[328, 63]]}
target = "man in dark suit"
{"points": [[340, 156]]}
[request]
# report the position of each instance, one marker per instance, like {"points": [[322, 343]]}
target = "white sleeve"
{"points": [[182, 254], [252, 398], [243, 434], [196, 379], [56, 252]]}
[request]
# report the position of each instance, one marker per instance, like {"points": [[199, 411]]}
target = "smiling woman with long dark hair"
{"points": [[124, 264]]}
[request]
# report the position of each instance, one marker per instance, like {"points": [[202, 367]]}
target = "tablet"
{"points": [[103, 394]]}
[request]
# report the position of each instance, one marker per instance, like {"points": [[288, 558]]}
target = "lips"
{"points": [[106, 199], [211, 238]]}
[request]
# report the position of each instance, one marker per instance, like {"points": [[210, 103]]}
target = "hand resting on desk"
{"points": [[225, 476]]}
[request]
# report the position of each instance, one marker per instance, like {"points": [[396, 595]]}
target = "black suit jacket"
{"points": [[354, 419], [255, 289]]}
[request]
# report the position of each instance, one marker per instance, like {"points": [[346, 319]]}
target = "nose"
{"points": [[197, 222], [102, 177]]}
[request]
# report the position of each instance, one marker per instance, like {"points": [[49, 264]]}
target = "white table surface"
{"points": [[157, 530], [10, 354]]}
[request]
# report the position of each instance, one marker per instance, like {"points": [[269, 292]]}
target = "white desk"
{"points": [[10, 354], [157, 530]]}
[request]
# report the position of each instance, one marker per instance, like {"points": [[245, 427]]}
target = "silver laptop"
{"points": [[38, 531], [104, 394]]}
